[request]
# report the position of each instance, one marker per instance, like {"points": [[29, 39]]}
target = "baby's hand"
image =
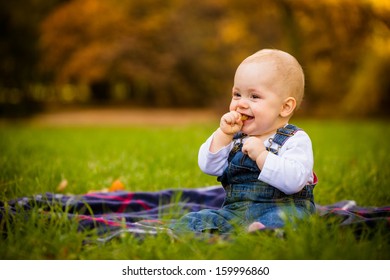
{"points": [[231, 123], [253, 147]]}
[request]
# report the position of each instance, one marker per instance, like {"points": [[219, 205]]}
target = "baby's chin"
{"points": [[251, 131], [246, 131], [246, 128]]}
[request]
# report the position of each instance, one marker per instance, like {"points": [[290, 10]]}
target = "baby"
{"points": [[264, 163]]}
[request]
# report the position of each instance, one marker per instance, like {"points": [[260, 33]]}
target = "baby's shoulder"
{"points": [[300, 137]]}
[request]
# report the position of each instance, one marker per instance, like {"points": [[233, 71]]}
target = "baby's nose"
{"points": [[242, 103]]}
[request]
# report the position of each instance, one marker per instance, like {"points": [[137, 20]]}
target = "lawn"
{"points": [[351, 160]]}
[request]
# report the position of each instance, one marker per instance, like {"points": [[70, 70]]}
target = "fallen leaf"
{"points": [[117, 185], [62, 185]]}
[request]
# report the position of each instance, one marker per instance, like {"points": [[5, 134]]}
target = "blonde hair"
{"points": [[290, 72]]}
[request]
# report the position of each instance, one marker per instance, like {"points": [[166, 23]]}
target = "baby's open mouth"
{"points": [[245, 117]]}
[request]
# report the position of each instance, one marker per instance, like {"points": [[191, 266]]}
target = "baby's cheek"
{"points": [[233, 106]]}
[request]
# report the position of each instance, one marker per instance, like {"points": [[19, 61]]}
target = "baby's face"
{"points": [[257, 94]]}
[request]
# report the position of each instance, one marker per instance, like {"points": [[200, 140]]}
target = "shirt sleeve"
{"points": [[292, 168], [213, 163]]}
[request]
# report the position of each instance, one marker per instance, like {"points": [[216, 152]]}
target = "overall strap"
{"points": [[237, 139], [281, 136]]}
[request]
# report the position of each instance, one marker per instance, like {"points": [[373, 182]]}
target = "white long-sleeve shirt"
{"points": [[289, 171]]}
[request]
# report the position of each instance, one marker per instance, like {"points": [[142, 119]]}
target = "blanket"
{"points": [[143, 213]]}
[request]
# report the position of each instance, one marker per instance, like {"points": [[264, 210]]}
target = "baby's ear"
{"points": [[288, 107]]}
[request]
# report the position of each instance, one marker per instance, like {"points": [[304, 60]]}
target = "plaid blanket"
{"points": [[140, 213]]}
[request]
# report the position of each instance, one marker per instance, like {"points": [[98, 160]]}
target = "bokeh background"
{"points": [[56, 54]]}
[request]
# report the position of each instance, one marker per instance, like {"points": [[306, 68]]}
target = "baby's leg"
{"points": [[277, 217], [206, 220]]}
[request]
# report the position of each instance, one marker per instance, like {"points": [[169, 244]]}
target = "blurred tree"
{"points": [[335, 39], [369, 85], [171, 53], [332, 32], [184, 53], [81, 41], [19, 21], [18, 39]]}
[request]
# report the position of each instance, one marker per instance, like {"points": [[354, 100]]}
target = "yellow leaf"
{"points": [[62, 185]]}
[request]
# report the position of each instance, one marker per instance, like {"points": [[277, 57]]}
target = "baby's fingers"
{"points": [[229, 118], [231, 122]]}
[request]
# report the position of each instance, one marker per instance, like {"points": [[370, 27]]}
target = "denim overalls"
{"points": [[247, 198]]}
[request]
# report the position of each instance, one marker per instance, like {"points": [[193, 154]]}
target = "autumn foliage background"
{"points": [[183, 53]]}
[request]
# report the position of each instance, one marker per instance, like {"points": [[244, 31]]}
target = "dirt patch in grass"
{"points": [[122, 117]]}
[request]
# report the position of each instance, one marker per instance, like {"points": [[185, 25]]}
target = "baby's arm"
{"points": [[213, 154], [292, 169], [213, 163]]}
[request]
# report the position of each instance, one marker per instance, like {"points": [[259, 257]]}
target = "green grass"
{"points": [[351, 160]]}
